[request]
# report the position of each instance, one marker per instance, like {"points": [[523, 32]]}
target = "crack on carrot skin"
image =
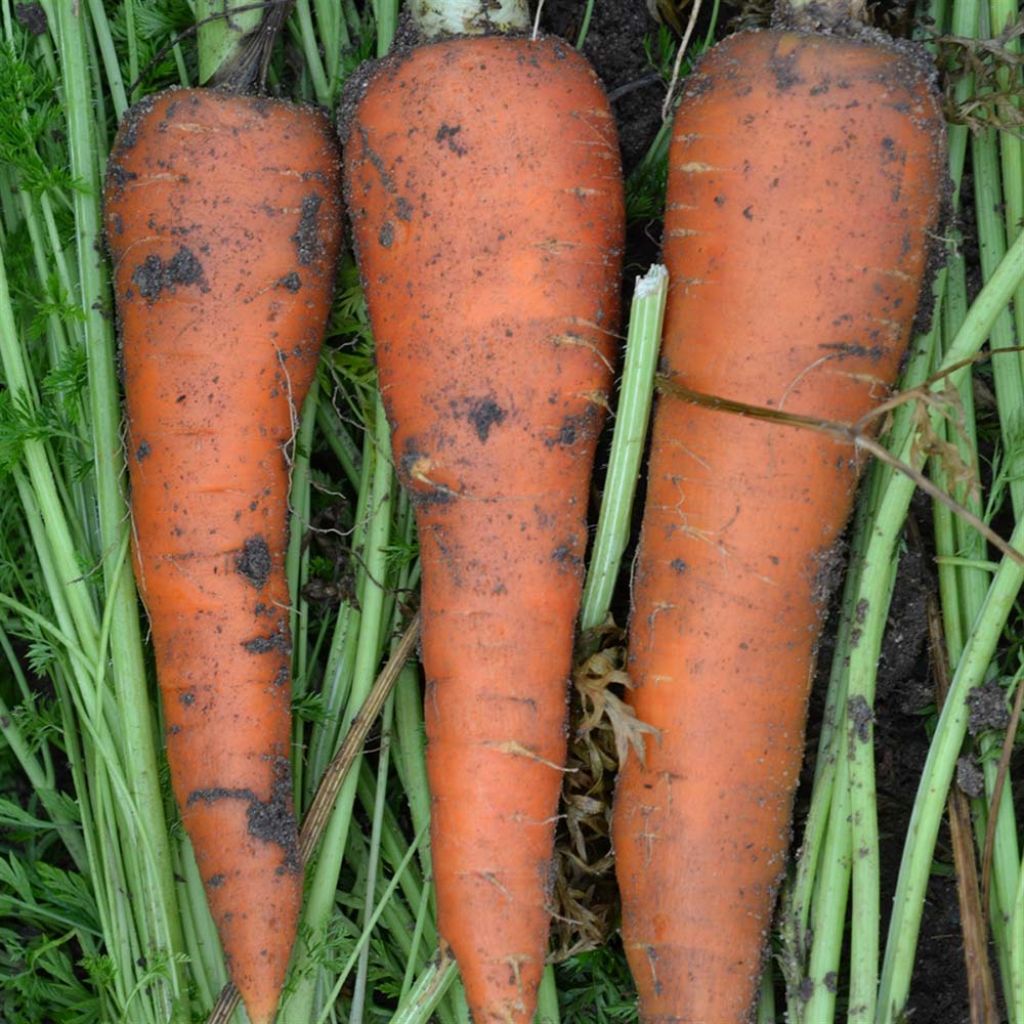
{"points": [[376, 162], [853, 350]]}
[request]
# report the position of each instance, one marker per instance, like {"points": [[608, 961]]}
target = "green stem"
{"points": [[324, 877], [161, 924], [547, 998], [930, 804], [588, 13], [634, 410], [935, 780], [380, 795], [367, 931]]}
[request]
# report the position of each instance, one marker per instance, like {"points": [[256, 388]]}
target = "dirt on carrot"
{"points": [[805, 184], [223, 223], [484, 183]]}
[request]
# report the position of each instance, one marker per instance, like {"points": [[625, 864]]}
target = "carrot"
{"points": [[805, 178], [223, 223], [483, 179]]}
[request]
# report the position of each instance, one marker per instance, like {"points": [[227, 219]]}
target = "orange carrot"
{"points": [[223, 221], [805, 178], [483, 179]]}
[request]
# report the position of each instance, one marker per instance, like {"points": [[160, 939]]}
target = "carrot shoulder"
{"points": [[483, 179], [805, 178], [223, 222]]}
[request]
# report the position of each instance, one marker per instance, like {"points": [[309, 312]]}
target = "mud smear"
{"points": [[308, 243], [153, 276], [270, 821], [254, 562]]}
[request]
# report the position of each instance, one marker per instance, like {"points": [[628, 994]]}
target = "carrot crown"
{"points": [[436, 18]]}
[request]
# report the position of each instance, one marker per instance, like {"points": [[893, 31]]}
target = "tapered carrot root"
{"points": [[483, 179], [223, 222], [805, 179]]}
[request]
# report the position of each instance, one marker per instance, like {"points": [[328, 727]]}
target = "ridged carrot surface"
{"points": [[483, 179], [223, 222], [805, 181]]}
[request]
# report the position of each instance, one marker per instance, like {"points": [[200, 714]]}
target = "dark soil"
{"points": [[616, 46]]}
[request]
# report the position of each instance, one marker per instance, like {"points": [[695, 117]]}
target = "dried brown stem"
{"points": [[848, 433]]}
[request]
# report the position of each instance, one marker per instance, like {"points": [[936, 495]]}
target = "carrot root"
{"points": [[805, 181], [223, 223]]}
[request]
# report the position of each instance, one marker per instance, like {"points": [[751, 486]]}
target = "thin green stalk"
{"points": [[393, 842], [160, 919], [337, 436], [410, 756], [1006, 370], [929, 807], [588, 13], [797, 898], [1002, 14], [828, 907], [1008, 374], [385, 16], [963, 588], [362, 971], [297, 554], [333, 36], [547, 999], [433, 985], [311, 52], [826, 838], [1015, 930], [367, 931], [634, 409], [766, 998], [413, 962], [324, 876], [935, 780], [341, 657], [105, 43]]}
